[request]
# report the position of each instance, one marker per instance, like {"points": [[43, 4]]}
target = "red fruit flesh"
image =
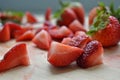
{"points": [[5, 34], [76, 26], [79, 11], [42, 40], [80, 40], [13, 27], [91, 56], [110, 35], [61, 55], [30, 18], [27, 36], [14, 57], [48, 14], [60, 33], [68, 16]]}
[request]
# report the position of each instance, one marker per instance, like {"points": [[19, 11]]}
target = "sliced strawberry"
{"points": [[30, 18], [79, 11], [61, 55], [67, 20], [66, 40], [48, 14], [5, 34], [13, 27], [14, 57], [60, 33], [27, 36], [92, 55], [42, 40], [76, 26], [79, 40]]}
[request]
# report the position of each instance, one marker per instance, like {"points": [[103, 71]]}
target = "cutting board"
{"points": [[40, 69]]}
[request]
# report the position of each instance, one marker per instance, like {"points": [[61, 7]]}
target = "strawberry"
{"points": [[72, 9], [76, 26], [30, 18], [79, 11], [13, 27], [48, 14], [67, 20], [16, 56], [79, 40], [60, 33], [61, 55], [93, 14], [28, 35], [108, 32], [42, 40], [5, 34], [91, 56]]}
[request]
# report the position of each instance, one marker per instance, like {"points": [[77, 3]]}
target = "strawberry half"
{"points": [[79, 40], [91, 56], [42, 40], [14, 57], [60, 33], [48, 14], [61, 55], [27, 36], [76, 26], [30, 18], [5, 34]]}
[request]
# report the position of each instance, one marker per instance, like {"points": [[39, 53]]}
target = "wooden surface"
{"points": [[40, 69]]}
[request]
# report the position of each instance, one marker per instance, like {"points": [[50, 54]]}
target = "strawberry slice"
{"points": [[92, 55], [5, 34], [48, 14], [42, 40], [60, 33], [14, 57], [79, 40], [61, 55], [76, 26], [66, 40], [27, 36], [30, 18], [13, 27]]}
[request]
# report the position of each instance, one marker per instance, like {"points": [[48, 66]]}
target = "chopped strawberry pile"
{"points": [[67, 41]]}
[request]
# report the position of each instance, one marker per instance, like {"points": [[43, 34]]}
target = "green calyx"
{"points": [[101, 20]]}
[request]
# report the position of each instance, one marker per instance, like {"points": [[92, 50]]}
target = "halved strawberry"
{"points": [[48, 14], [16, 56], [66, 40], [92, 55], [5, 34], [79, 40], [60, 33], [76, 26], [30, 18], [27, 36], [42, 40], [61, 55], [13, 27], [79, 11]]}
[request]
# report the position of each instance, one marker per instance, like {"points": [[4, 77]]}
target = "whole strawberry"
{"points": [[69, 12], [106, 29]]}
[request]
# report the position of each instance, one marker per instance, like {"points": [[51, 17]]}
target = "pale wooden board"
{"points": [[40, 69]]}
